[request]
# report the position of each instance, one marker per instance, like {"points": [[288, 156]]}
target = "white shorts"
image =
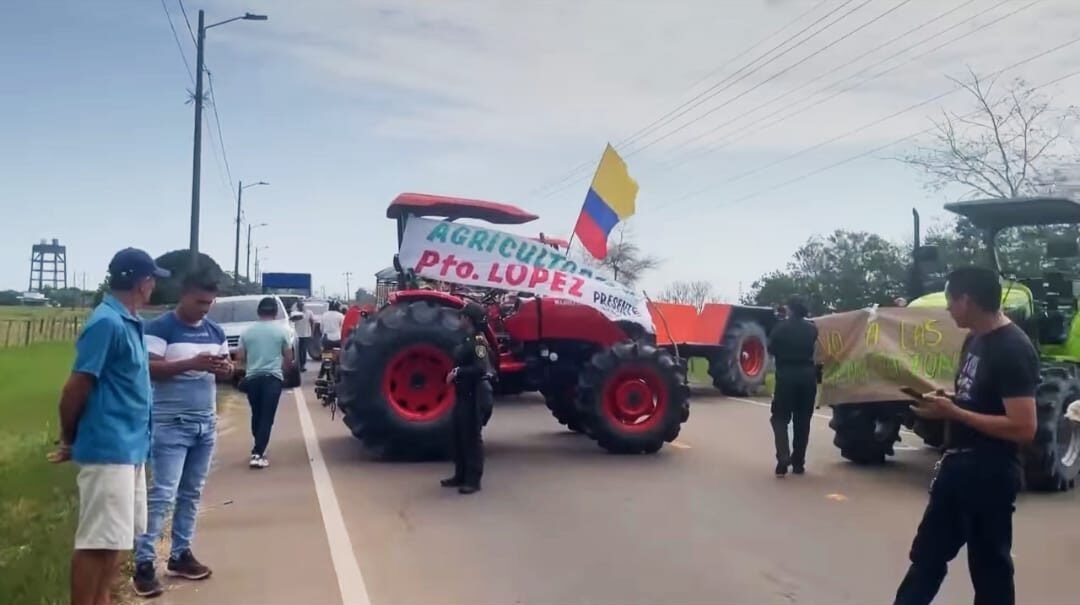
{"points": [[112, 506]]}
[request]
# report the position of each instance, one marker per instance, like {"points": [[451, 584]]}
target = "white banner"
{"points": [[482, 257]]}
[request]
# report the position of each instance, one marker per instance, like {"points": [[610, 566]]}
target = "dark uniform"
{"points": [[792, 345], [973, 495], [472, 360]]}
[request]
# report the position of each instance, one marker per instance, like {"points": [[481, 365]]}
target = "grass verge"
{"points": [[38, 500], [699, 374]]}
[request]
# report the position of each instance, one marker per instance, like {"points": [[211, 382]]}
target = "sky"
{"points": [[341, 106]]}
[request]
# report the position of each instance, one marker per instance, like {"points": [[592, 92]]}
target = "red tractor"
{"points": [[606, 379]]}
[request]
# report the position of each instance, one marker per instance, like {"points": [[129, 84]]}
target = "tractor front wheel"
{"points": [[632, 398]]}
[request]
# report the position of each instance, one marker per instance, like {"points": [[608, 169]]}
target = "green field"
{"points": [[699, 374], [38, 503]]}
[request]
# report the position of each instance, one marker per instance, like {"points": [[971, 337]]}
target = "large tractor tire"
{"points": [[632, 398], [392, 387], [562, 402], [1052, 461], [859, 435], [739, 368]]}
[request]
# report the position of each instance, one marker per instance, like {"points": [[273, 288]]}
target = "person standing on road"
{"points": [[105, 427], [973, 495], [265, 353], [187, 353], [792, 343], [471, 378], [303, 333], [331, 323]]}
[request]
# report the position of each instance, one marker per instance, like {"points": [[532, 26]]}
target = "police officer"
{"points": [[471, 377], [792, 345]]}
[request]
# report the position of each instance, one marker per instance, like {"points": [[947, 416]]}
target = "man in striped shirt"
{"points": [[187, 353]]}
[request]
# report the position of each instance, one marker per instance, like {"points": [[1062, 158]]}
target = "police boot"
{"points": [[451, 482], [468, 489]]}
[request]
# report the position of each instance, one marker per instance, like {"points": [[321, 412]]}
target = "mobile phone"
{"points": [[910, 392]]}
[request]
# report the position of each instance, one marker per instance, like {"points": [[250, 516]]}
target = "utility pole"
{"points": [[348, 290], [196, 154], [247, 269], [240, 187], [236, 261]]}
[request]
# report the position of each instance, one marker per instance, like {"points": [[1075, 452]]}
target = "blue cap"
{"points": [[132, 264]]}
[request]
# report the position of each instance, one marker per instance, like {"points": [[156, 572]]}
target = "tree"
{"points": [[843, 271], [696, 293], [364, 297], [178, 262], [627, 262], [1006, 147]]}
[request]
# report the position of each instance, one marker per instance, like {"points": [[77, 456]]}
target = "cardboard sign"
{"points": [[482, 257], [867, 355]]}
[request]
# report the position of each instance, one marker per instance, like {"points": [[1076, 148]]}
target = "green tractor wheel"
{"points": [[1052, 461]]}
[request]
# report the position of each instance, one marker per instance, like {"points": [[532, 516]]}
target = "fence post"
{"points": [[29, 329]]}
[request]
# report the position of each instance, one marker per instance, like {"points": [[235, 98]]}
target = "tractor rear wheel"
{"points": [[860, 436], [392, 387], [739, 368], [632, 398], [1052, 461]]}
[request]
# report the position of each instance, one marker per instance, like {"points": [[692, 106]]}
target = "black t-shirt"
{"points": [[792, 342], [993, 367]]}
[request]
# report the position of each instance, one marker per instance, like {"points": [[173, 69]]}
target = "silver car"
{"points": [[237, 313]]}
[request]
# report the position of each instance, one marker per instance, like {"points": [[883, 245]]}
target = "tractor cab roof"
{"points": [[996, 214], [453, 208]]}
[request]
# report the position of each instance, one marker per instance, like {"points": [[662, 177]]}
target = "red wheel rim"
{"points": [[634, 399], [752, 356], [414, 383]]}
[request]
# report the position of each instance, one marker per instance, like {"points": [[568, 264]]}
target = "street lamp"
{"points": [[247, 269], [240, 187], [196, 159]]}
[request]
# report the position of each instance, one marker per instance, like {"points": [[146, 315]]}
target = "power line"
{"points": [[777, 74], [657, 121], [187, 21], [217, 122], [750, 127], [709, 94], [176, 37], [869, 125]]}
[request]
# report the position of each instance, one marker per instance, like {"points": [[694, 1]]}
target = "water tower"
{"points": [[48, 266]]}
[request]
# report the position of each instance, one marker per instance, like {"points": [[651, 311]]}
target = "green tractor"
{"points": [[1039, 295]]}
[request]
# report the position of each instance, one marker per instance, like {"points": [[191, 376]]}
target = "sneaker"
{"points": [[187, 566], [145, 582], [263, 462], [254, 462]]}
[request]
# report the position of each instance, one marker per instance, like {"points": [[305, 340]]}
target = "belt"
{"points": [[959, 450]]}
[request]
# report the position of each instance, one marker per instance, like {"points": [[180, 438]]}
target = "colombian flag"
{"points": [[610, 200]]}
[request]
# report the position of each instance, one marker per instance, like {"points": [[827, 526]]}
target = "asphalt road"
{"points": [[560, 522]]}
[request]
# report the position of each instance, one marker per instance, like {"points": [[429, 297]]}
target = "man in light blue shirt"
{"points": [[265, 352], [105, 426], [187, 352]]}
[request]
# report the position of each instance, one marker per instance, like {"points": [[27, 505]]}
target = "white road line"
{"points": [[350, 580], [816, 415]]}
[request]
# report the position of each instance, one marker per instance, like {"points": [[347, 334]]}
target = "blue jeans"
{"points": [[180, 454]]}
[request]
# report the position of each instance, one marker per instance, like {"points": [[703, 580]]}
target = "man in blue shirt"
{"points": [[105, 427], [187, 351]]}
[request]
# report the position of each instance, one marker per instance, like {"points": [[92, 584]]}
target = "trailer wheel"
{"points": [[858, 434], [739, 368]]}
